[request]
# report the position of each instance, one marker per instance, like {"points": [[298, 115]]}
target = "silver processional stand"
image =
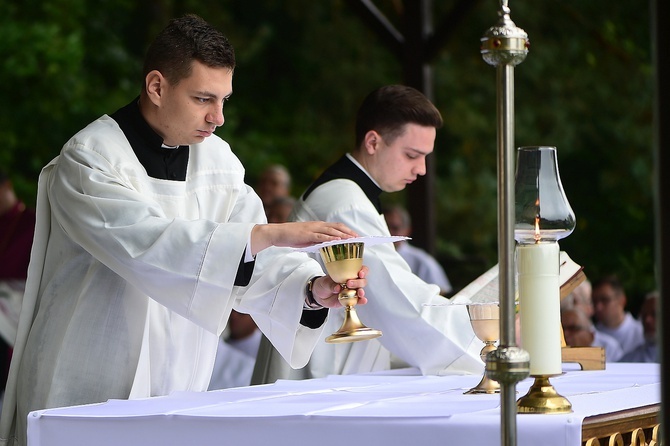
{"points": [[505, 46]]}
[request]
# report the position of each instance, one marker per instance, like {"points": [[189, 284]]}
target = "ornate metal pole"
{"points": [[505, 46]]}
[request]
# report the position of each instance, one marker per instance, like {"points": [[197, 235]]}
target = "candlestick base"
{"points": [[543, 398]]}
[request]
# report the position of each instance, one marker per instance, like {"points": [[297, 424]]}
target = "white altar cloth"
{"points": [[388, 409]]}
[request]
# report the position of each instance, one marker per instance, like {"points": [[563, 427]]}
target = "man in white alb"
{"points": [[147, 237], [395, 132]]}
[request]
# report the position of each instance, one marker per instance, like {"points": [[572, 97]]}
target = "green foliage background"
{"points": [[303, 67]]}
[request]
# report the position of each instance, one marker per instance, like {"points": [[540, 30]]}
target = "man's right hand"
{"points": [[325, 290], [297, 235]]}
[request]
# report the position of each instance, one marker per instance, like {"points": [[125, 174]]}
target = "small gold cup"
{"points": [[343, 261], [485, 320]]}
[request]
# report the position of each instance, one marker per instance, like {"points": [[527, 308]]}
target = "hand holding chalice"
{"points": [[343, 259], [342, 262]]}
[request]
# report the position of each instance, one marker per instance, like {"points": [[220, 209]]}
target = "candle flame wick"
{"points": [[537, 229]]}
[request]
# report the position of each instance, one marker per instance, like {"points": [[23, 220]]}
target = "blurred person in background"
{"points": [[236, 353], [580, 332], [581, 298], [648, 352], [17, 227], [611, 317], [420, 262], [273, 182], [280, 209]]}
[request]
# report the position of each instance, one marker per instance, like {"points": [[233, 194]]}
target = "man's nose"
{"points": [[420, 168], [216, 117]]}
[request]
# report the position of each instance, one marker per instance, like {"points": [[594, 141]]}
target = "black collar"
{"points": [[159, 162], [344, 168]]}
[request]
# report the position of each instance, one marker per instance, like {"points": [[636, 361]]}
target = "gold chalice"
{"points": [[485, 320], [343, 261]]}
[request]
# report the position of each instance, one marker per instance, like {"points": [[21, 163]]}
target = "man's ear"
{"points": [[371, 142], [153, 85]]}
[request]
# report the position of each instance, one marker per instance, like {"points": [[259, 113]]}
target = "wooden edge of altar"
{"points": [[638, 426]]}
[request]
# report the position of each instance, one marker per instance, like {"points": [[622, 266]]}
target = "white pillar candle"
{"points": [[539, 306]]}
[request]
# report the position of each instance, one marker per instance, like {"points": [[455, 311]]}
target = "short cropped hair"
{"points": [[184, 40], [612, 280], [386, 110]]}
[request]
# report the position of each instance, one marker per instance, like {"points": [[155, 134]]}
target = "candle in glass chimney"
{"points": [[539, 306], [542, 217]]}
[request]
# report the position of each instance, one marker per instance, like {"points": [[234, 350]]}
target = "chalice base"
{"points": [[486, 385], [543, 398], [352, 330], [481, 326]]}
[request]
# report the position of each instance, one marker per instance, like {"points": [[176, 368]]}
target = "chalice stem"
{"points": [[486, 384]]}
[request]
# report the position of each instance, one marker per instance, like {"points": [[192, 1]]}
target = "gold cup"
{"points": [[343, 261], [485, 320]]}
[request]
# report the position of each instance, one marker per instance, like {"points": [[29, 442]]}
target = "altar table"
{"points": [[395, 408]]}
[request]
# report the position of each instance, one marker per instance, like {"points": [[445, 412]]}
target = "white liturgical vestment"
{"points": [[131, 280], [435, 339]]}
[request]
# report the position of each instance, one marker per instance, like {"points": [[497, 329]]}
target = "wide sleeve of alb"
{"points": [[183, 259]]}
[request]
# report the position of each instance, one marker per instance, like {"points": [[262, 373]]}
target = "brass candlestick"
{"points": [[485, 320], [343, 261], [542, 398]]}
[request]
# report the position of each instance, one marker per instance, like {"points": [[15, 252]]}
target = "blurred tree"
{"points": [[303, 67], [590, 93], [61, 66]]}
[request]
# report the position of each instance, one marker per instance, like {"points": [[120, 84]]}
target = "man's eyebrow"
{"points": [[212, 95], [419, 151]]}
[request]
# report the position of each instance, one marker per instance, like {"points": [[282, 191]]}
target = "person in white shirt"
{"points": [[147, 237], [648, 352], [609, 304], [420, 261], [580, 332], [395, 132]]}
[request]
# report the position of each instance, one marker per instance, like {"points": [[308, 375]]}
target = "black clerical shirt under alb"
{"points": [[159, 162]]}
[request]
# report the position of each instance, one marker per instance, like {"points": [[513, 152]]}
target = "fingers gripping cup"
{"points": [[342, 262]]}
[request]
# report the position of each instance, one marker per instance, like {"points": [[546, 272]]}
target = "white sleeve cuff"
{"points": [[248, 257]]}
